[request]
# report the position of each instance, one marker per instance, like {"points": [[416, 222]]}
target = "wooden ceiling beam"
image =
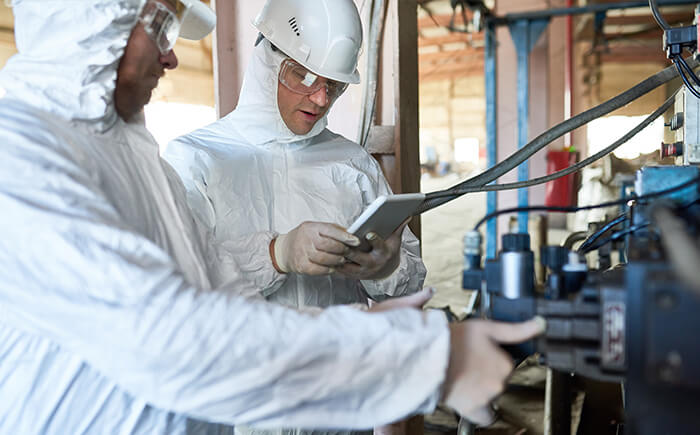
{"points": [[435, 76], [477, 65], [634, 55], [634, 58], [442, 20], [452, 38], [451, 54], [626, 20], [655, 34]]}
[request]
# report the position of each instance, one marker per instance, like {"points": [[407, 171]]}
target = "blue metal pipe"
{"points": [[491, 135], [522, 31], [525, 34], [593, 8]]}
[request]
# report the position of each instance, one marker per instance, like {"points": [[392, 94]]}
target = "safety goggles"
{"points": [[162, 24], [298, 79]]}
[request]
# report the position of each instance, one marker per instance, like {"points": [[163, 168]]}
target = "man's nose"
{"points": [[320, 97], [169, 61]]}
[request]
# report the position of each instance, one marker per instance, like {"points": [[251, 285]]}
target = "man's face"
{"points": [[139, 71], [301, 112]]}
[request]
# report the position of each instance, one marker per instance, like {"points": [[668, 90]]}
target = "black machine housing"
{"points": [[634, 323]]}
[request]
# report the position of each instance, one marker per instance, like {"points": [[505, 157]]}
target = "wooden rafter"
{"points": [[451, 38]]}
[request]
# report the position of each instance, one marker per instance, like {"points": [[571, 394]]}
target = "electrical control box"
{"points": [[689, 133]]}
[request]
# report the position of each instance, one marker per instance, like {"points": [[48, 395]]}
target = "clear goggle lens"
{"points": [[162, 24], [298, 79]]}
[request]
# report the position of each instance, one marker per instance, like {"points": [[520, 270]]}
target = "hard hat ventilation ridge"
{"points": [[294, 25]]}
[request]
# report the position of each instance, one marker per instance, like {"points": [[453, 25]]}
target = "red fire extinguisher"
{"points": [[561, 192]]}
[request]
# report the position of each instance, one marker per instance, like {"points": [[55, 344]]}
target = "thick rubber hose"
{"points": [[566, 171], [559, 130]]}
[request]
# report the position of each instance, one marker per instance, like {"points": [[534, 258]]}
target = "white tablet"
{"points": [[385, 215]]}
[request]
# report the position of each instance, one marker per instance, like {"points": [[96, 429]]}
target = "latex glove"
{"points": [[482, 417], [313, 248], [416, 300], [478, 367], [380, 262]]}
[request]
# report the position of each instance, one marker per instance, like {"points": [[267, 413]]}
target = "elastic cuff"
{"points": [[272, 256]]}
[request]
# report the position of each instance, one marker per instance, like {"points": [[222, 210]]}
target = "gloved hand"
{"points": [[482, 417], [416, 300], [380, 262], [313, 248], [478, 367]]}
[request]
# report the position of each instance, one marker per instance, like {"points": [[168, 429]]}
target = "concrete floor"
{"points": [[443, 229]]}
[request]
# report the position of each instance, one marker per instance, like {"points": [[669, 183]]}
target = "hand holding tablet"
{"points": [[384, 216]]}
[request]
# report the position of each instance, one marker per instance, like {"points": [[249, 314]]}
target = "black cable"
{"points": [[586, 207], [688, 69], [679, 61], [657, 15], [558, 131], [607, 227], [454, 193], [614, 237], [620, 234], [687, 83]]}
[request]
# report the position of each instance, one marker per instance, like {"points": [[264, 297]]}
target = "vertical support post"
{"points": [[402, 167], [523, 117], [538, 235], [558, 402], [525, 34], [406, 138], [227, 77], [406, 143], [491, 134], [569, 73]]}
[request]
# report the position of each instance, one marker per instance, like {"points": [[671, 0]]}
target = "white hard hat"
{"points": [[199, 20], [325, 36]]}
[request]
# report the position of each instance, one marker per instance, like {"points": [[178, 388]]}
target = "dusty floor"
{"points": [[443, 229]]}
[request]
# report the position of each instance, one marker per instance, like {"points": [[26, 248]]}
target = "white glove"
{"points": [[478, 367], [380, 262], [482, 417], [313, 248]]}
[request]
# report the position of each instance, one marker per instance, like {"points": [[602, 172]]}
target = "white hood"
{"points": [[257, 108], [248, 173], [68, 56]]}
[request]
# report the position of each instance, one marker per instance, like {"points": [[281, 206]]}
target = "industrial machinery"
{"points": [[634, 323]]}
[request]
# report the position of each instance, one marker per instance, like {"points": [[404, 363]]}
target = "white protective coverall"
{"points": [[108, 323], [250, 157]]}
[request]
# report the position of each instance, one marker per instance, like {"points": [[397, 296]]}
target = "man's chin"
{"points": [[148, 97], [302, 131]]}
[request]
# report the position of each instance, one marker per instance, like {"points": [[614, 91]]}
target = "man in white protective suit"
{"points": [[108, 321], [275, 155]]}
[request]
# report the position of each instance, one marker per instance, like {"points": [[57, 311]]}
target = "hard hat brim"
{"points": [[352, 79]]}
